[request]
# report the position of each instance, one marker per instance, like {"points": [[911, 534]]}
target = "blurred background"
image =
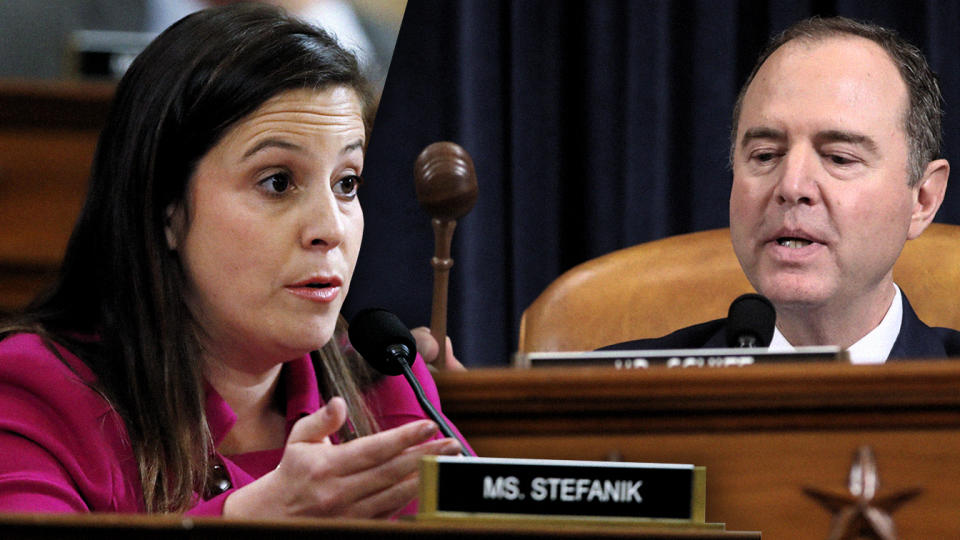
{"points": [[99, 38]]}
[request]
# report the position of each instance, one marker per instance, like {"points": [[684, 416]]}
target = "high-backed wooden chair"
{"points": [[654, 288]]}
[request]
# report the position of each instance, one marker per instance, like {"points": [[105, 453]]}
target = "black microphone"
{"points": [[387, 345], [750, 321]]}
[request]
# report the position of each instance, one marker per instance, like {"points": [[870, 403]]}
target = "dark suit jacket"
{"points": [[916, 339]]}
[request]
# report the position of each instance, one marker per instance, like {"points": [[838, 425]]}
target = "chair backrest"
{"points": [[654, 288]]}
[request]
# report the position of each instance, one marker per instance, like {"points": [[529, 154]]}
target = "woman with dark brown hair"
{"points": [[192, 356]]}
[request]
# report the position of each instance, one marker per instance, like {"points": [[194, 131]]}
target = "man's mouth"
{"points": [[793, 243]]}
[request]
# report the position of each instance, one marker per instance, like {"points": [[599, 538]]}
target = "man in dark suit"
{"points": [[834, 151]]}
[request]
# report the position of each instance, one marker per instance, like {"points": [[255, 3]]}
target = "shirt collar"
{"points": [[873, 348], [300, 389], [302, 393]]}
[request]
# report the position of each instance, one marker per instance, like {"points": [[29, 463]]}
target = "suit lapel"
{"points": [[916, 339]]}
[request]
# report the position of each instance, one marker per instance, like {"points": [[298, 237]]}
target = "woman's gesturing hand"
{"points": [[373, 476]]}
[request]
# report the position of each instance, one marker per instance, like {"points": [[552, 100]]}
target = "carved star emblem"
{"points": [[861, 513]]}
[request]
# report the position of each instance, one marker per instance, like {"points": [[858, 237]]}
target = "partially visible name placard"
{"points": [[652, 493], [678, 358]]}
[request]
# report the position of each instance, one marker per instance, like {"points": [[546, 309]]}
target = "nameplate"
{"points": [[451, 486], [678, 358]]}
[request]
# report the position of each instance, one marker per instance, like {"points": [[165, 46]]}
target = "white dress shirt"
{"points": [[873, 348]]}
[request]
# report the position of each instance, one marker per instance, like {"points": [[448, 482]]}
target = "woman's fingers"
{"points": [[347, 486], [366, 477], [387, 502], [375, 479], [387, 488], [370, 451], [318, 426]]}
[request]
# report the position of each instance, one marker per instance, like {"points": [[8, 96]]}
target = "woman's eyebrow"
{"points": [[355, 145], [287, 145], [272, 142]]}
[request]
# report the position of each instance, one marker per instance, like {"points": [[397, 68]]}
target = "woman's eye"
{"points": [[348, 186], [276, 183]]}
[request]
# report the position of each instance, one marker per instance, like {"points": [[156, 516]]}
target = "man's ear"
{"points": [[929, 193], [173, 224]]}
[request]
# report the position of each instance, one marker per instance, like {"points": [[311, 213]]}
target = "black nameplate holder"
{"points": [[474, 488]]}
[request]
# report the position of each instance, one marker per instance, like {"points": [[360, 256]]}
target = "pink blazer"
{"points": [[63, 448]]}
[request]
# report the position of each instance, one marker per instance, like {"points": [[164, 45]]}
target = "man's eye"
{"points": [[276, 183], [348, 186], [840, 160], [764, 157]]}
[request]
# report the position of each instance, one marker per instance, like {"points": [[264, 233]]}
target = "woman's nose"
{"points": [[323, 221]]}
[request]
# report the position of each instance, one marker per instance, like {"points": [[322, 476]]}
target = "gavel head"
{"points": [[445, 181]]}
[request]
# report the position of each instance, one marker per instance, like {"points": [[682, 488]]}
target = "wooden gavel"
{"points": [[446, 186]]}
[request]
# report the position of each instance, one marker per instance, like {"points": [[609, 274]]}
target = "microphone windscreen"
{"points": [[751, 315], [373, 332]]}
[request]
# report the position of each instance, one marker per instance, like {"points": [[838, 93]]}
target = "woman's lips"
{"points": [[322, 290]]}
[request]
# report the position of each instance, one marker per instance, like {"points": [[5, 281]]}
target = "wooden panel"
{"points": [[763, 432], [54, 104], [108, 527], [754, 480], [48, 133], [43, 181]]}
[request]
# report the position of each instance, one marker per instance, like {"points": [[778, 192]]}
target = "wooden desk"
{"points": [[112, 526], [763, 432]]}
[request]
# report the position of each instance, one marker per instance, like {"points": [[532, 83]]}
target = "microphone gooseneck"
{"points": [[750, 321], [387, 345]]}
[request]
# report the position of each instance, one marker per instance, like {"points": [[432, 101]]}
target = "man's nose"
{"points": [[799, 178]]}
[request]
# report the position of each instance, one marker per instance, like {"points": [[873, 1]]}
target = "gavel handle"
{"points": [[443, 237]]}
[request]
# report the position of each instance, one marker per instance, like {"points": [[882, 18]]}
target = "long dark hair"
{"points": [[121, 284]]}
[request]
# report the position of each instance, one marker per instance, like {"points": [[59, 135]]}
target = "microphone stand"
{"points": [[399, 354]]}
